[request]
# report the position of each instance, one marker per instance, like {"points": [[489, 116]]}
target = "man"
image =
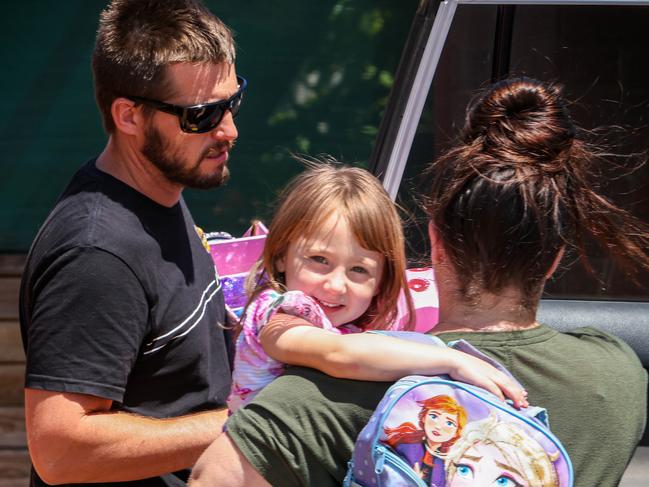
{"points": [[127, 369]]}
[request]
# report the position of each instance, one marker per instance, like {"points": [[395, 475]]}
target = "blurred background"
{"points": [[319, 75]]}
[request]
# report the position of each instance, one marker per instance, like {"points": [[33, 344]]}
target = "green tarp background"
{"points": [[319, 73]]}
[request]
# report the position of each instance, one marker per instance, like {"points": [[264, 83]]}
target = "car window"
{"points": [[596, 54]]}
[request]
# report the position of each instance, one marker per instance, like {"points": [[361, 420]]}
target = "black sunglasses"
{"points": [[198, 119]]}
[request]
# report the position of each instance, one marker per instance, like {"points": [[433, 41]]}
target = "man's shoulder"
{"points": [[88, 208], [99, 212]]}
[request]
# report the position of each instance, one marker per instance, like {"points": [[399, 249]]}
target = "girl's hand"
{"points": [[473, 370]]}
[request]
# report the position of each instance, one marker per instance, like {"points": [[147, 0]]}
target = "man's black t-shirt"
{"points": [[121, 300]]}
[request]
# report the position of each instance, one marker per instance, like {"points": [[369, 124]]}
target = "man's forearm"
{"points": [[80, 446]]}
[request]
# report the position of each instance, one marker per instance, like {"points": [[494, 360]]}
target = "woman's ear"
{"points": [[555, 262], [437, 254]]}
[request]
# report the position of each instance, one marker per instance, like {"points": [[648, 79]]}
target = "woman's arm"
{"points": [[375, 357]]}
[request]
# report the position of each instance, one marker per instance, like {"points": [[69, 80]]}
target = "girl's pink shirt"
{"points": [[253, 367]]}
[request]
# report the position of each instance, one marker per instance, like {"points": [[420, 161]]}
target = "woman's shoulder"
{"points": [[600, 347], [594, 337]]}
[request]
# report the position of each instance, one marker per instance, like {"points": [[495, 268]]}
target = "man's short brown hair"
{"points": [[137, 39]]}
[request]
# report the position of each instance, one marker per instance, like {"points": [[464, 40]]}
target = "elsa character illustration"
{"points": [[441, 420], [494, 453]]}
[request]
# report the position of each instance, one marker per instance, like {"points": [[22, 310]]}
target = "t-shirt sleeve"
{"points": [[300, 430], [89, 319], [294, 303]]}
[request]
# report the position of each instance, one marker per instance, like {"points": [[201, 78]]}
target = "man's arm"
{"points": [[75, 438], [223, 464]]}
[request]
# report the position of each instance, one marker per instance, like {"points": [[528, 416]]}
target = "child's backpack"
{"points": [[434, 431]]}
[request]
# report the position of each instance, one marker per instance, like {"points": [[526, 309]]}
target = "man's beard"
{"points": [[182, 171]]}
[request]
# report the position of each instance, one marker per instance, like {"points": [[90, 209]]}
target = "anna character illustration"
{"points": [[494, 453], [425, 446]]}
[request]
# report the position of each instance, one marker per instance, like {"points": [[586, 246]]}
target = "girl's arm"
{"points": [[374, 357]]}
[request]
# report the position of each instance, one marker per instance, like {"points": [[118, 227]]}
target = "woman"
{"points": [[506, 202], [441, 420]]}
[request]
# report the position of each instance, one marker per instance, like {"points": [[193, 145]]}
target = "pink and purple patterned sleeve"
{"points": [[253, 368]]}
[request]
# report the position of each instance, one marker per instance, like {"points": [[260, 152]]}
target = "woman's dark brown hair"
{"points": [[518, 188]]}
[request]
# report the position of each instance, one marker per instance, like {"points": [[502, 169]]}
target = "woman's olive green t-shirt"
{"points": [[300, 430]]}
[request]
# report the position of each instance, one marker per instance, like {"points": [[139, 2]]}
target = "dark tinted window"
{"points": [[598, 55]]}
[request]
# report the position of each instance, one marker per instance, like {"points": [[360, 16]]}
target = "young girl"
{"points": [[334, 265]]}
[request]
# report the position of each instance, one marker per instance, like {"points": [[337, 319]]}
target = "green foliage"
{"points": [[319, 72]]}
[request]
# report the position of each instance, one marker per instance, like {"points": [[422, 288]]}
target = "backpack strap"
{"points": [[461, 345], [464, 346], [536, 413], [413, 336]]}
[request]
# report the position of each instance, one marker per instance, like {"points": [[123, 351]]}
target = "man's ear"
{"points": [[555, 262], [127, 117], [437, 254]]}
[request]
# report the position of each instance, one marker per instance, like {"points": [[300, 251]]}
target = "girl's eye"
{"points": [[360, 270], [318, 259], [507, 481], [450, 423], [465, 471], [432, 415]]}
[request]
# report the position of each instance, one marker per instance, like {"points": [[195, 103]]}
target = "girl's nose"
{"points": [[335, 283]]}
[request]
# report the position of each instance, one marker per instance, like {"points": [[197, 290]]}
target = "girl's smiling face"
{"points": [[331, 267], [440, 426]]}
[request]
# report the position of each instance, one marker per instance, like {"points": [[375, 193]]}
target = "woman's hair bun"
{"points": [[521, 116]]}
